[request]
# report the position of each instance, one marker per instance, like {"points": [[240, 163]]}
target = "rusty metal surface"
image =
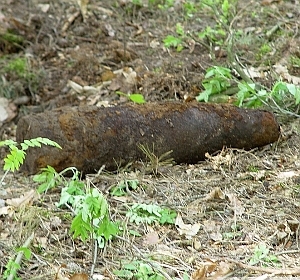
{"points": [[92, 136]]}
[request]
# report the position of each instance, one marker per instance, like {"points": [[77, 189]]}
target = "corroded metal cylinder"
{"points": [[93, 136]]}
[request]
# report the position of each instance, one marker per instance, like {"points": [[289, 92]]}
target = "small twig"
{"points": [[94, 258], [3, 177], [274, 271], [20, 255]]}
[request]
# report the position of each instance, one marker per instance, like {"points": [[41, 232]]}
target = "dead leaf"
{"points": [[79, 276], [55, 222], [42, 242], [284, 73], [287, 174], [23, 200], [213, 230], [222, 270], [199, 274], [44, 7], [216, 193], [188, 230], [151, 238], [235, 204], [7, 110], [269, 2], [212, 270], [5, 210]]}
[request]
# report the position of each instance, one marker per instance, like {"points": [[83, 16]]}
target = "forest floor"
{"points": [[240, 209]]}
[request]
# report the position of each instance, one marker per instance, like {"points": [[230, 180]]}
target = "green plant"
{"points": [[189, 8], [213, 35], [138, 270], [176, 42], [123, 187], [134, 97], [250, 96], [262, 256], [217, 79], [13, 266], [16, 155], [150, 213], [92, 220], [48, 178], [223, 11], [233, 233], [295, 61], [166, 4], [156, 161]]}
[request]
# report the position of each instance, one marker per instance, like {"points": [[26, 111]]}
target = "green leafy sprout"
{"points": [[150, 213], [12, 266], [220, 82], [123, 187], [262, 256], [176, 41], [138, 270], [134, 97], [90, 207], [16, 156]]}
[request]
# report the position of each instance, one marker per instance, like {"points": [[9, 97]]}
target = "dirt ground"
{"points": [[238, 199]]}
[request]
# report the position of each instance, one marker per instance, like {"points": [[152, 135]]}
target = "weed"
{"points": [[11, 38], [261, 256], [249, 95], [295, 61], [123, 187], [217, 79], [166, 4], [150, 213], [17, 77], [223, 11], [176, 41], [134, 97], [88, 204], [13, 266], [16, 156], [156, 161], [189, 8], [138, 270]]}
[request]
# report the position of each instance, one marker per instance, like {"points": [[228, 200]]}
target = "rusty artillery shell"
{"points": [[93, 136]]}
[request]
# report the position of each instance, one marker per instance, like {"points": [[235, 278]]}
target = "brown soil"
{"points": [[238, 199]]}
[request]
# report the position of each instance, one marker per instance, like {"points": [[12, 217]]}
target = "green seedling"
{"points": [[123, 187], [92, 220], [17, 152], [262, 256], [134, 97], [250, 97], [166, 4], [295, 61], [12, 266], [233, 234], [154, 160], [176, 41], [138, 270], [217, 79], [189, 8], [150, 213], [213, 35]]}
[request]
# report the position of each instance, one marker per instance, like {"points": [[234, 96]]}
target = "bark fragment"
{"points": [[92, 136]]}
